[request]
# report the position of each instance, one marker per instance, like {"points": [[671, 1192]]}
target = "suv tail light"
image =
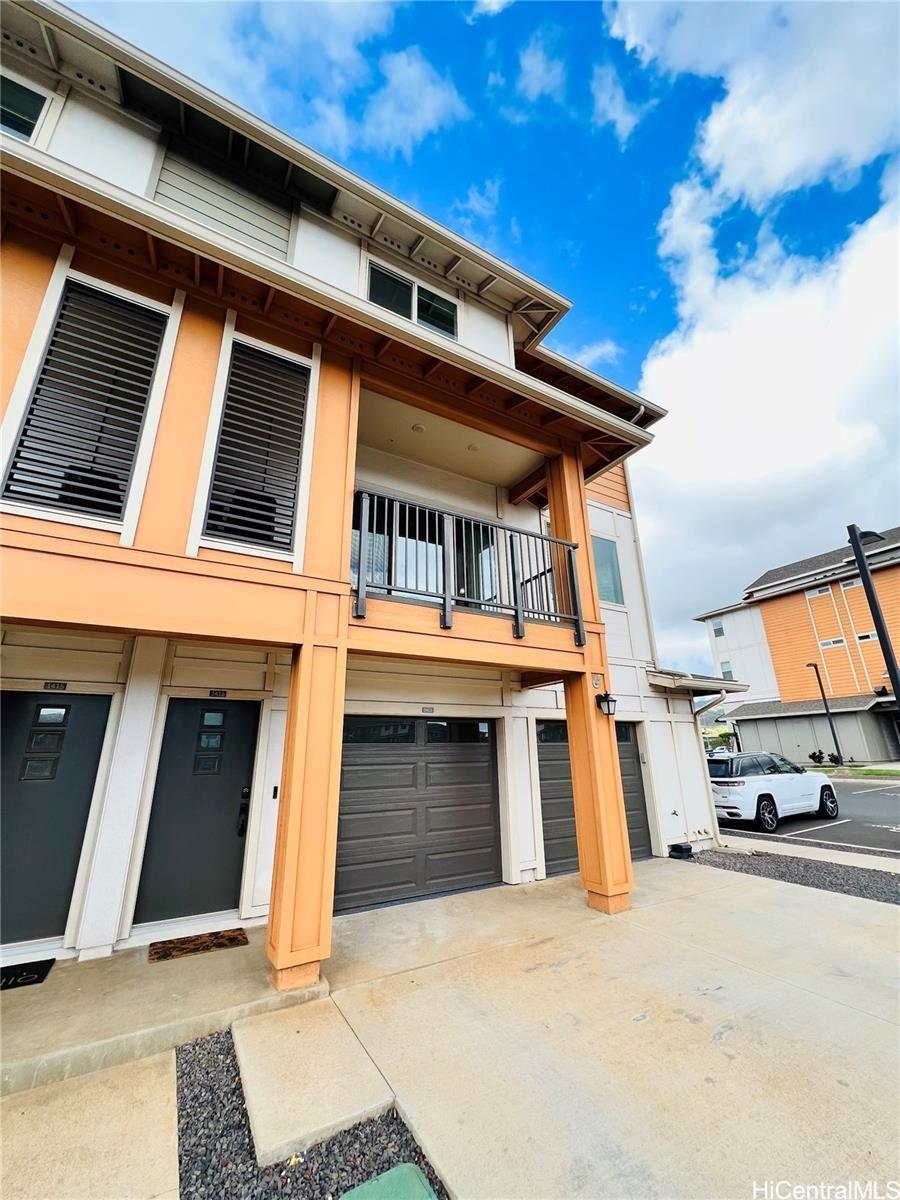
{"points": [[728, 783]]}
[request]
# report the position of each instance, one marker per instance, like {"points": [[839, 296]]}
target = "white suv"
{"points": [[765, 787]]}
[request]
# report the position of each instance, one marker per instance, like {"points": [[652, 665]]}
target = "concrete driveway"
{"points": [[726, 1032]]}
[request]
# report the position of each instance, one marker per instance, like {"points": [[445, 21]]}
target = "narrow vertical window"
{"points": [[253, 496], [606, 565], [79, 439]]}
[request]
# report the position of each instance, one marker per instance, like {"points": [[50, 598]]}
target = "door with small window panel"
{"points": [[51, 752], [194, 853]]}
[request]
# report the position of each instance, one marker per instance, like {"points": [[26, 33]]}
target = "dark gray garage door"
{"points": [[560, 847], [419, 809]]}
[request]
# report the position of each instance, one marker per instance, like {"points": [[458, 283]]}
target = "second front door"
{"points": [[194, 853]]}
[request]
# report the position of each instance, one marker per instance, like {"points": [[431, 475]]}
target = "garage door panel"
{"points": [[377, 882], [368, 777], [473, 820], [430, 823], [455, 774], [378, 824], [465, 868]]}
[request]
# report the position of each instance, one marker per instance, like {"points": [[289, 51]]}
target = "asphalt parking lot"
{"points": [[869, 818]]}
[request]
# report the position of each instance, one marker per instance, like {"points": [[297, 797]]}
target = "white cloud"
{"points": [[487, 8], [303, 66], [414, 101], [781, 382], [611, 106], [781, 377], [593, 354], [811, 89], [539, 73], [496, 79], [481, 202]]}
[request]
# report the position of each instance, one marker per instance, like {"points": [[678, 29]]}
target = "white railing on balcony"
{"points": [[414, 552]]}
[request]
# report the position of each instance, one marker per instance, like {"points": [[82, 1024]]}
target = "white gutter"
{"points": [[31, 163], [195, 94]]}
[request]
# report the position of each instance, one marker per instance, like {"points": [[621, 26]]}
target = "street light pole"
{"points": [[837, 745], [858, 538]]}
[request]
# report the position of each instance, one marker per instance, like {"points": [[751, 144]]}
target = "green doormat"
{"points": [[405, 1182]]}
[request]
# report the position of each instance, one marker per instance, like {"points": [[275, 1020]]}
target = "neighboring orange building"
{"points": [[303, 601], [813, 610]]}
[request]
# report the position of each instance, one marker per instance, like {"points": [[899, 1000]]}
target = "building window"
{"points": [[20, 108], [78, 442], [819, 591], [256, 473], [405, 297], [718, 629], [726, 670], [867, 637], [828, 643], [606, 566], [851, 583]]}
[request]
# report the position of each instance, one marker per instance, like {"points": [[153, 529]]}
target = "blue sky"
{"points": [[714, 186]]}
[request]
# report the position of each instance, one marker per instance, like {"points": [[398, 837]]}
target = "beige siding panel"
{"points": [[201, 665], [407, 682], [212, 200], [60, 654]]}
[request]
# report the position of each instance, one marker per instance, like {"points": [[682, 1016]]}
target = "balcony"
{"points": [[412, 552]]}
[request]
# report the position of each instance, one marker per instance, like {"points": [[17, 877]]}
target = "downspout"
{"points": [[709, 795]]}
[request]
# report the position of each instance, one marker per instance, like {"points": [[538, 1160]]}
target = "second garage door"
{"points": [[557, 808], [419, 810]]}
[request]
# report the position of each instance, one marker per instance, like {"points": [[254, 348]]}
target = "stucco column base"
{"points": [[609, 904], [288, 979]]}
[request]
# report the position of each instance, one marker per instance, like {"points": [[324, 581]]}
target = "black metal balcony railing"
{"points": [[411, 551]]}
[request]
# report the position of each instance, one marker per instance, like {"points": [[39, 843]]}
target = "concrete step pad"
{"points": [[305, 1077]]}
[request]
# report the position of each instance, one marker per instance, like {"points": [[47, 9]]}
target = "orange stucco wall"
{"points": [[796, 624]]}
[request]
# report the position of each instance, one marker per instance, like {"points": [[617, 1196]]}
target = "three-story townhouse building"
{"points": [[813, 610], [306, 607]]}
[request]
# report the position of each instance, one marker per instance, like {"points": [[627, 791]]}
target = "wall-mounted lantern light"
{"points": [[607, 704]]}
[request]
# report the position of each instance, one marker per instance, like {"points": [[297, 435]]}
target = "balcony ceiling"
{"points": [[387, 425]]}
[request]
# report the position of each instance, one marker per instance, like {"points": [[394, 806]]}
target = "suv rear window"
{"points": [[719, 768]]}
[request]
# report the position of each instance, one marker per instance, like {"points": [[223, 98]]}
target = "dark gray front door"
{"points": [[557, 809], [633, 787], [557, 806], [51, 748], [419, 809], [195, 842]]}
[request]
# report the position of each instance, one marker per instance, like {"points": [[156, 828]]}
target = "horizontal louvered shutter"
{"points": [[253, 497], [79, 439]]}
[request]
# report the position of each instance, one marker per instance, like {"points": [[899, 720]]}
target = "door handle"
{"points": [[242, 818]]}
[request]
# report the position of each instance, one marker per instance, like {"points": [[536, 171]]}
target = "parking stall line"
{"points": [[810, 828]]}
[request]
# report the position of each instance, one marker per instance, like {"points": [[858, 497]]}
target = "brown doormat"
{"points": [[199, 943]]}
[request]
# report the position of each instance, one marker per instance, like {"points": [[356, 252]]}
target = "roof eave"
{"points": [[30, 163], [135, 60]]}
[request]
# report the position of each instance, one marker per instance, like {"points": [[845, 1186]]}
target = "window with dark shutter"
{"points": [[253, 496], [80, 435]]}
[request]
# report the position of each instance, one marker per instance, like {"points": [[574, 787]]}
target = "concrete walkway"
{"points": [[727, 1031]]}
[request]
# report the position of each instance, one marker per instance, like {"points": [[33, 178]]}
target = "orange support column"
{"points": [[604, 856], [300, 912]]}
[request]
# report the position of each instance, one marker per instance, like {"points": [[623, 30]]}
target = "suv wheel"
{"points": [[828, 805], [767, 815]]}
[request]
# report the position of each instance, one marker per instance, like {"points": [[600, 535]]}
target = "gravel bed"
{"points": [[727, 831], [216, 1160], [865, 882]]}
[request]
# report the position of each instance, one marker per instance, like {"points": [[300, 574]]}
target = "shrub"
{"points": [[817, 756], [833, 758]]}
